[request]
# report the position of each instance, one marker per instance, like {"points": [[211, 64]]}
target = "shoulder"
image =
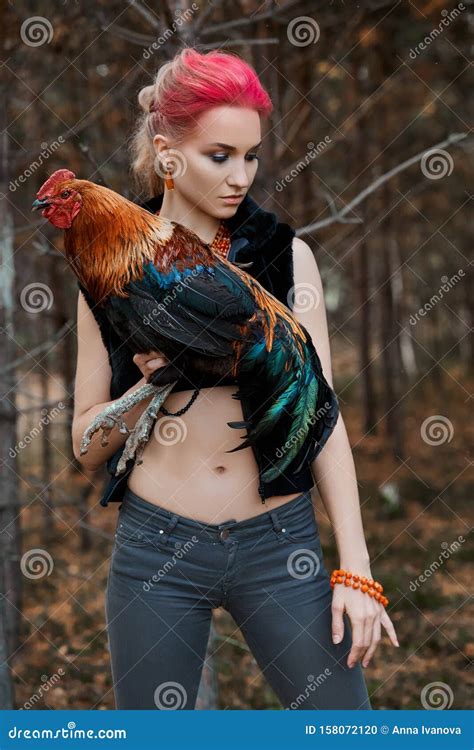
{"points": [[300, 245], [304, 262]]}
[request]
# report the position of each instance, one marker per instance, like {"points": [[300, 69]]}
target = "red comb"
{"points": [[59, 176]]}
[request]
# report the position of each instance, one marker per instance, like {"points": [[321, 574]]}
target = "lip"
{"points": [[232, 198]]}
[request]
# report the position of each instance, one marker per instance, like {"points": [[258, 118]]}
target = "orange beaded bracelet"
{"points": [[366, 585]]}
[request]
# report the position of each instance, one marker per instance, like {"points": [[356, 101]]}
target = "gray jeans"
{"points": [[168, 572]]}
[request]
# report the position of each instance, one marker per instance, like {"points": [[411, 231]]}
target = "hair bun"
{"points": [[145, 98]]}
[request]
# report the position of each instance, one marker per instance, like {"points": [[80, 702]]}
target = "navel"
{"points": [[219, 469]]}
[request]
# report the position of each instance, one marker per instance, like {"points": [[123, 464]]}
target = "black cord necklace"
{"points": [[185, 408]]}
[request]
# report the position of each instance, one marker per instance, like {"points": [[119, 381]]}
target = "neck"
{"points": [[176, 208]]}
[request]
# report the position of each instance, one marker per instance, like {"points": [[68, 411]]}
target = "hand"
{"points": [[367, 616], [148, 363]]}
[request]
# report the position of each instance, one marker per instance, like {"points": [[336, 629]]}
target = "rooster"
{"points": [[162, 288]]}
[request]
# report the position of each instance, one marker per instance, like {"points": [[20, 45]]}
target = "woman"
{"points": [[191, 534]]}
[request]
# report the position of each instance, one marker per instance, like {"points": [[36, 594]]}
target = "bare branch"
{"points": [[86, 149], [239, 22], [134, 37], [240, 43], [339, 216], [145, 12], [201, 20], [43, 249]]}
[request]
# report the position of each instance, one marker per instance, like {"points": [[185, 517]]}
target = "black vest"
{"points": [[258, 239]]}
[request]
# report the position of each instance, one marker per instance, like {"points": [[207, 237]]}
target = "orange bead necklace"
{"points": [[221, 242]]}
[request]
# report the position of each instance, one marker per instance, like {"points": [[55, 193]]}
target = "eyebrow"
{"points": [[232, 148]]}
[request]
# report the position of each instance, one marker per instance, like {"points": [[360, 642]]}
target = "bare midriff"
{"points": [[186, 468]]}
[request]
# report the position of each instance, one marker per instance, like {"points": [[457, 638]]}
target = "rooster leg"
{"points": [[112, 415], [140, 435]]}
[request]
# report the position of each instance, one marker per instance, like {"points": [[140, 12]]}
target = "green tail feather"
{"points": [[303, 415]]}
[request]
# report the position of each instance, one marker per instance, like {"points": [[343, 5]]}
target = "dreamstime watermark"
{"points": [[437, 696], [436, 164], [303, 563], [174, 166], [170, 430], [36, 563], [169, 297], [46, 684], [46, 150], [181, 18], [170, 696], [179, 553], [36, 31], [70, 732], [46, 419], [321, 412], [36, 297], [437, 430], [312, 685], [303, 297], [314, 151], [302, 31], [447, 284], [448, 550], [447, 18]]}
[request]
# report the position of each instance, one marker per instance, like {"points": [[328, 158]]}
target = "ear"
{"points": [[160, 144]]}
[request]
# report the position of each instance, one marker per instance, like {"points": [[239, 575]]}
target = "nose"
{"points": [[239, 177]]}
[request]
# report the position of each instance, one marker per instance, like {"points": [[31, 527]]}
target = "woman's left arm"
{"points": [[335, 476]]}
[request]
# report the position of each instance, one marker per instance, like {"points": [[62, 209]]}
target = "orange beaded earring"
{"points": [[169, 182]]}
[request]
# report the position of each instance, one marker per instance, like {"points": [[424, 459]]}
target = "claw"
{"points": [[104, 422], [112, 414], [138, 438], [124, 428]]}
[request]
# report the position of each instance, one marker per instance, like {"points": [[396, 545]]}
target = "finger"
{"points": [[368, 624], [153, 364], [337, 622], [357, 643], [141, 360], [145, 356], [368, 628], [387, 623], [152, 355], [376, 630]]}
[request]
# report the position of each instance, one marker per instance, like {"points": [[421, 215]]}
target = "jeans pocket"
{"points": [[297, 527], [130, 534]]}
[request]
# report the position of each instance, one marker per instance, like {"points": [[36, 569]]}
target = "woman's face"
{"points": [[218, 159]]}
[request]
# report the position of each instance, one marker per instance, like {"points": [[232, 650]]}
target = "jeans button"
{"points": [[224, 533]]}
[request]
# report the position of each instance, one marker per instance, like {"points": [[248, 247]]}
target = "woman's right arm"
{"points": [[92, 388]]}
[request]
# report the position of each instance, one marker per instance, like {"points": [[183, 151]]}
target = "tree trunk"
{"points": [[361, 270], [10, 578]]}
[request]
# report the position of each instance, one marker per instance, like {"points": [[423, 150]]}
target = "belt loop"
{"points": [[275, 519], [164, 533], [172, 523]]}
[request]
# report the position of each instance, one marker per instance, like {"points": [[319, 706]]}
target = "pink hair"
{"points": [[187, 86]]}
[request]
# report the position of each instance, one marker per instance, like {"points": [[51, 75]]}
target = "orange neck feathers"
{"points": [[111, 238]]}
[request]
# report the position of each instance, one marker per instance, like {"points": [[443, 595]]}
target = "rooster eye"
{"points": [[65, 194]]}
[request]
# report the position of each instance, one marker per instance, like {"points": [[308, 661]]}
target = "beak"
{"points": [[37, 204]]}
